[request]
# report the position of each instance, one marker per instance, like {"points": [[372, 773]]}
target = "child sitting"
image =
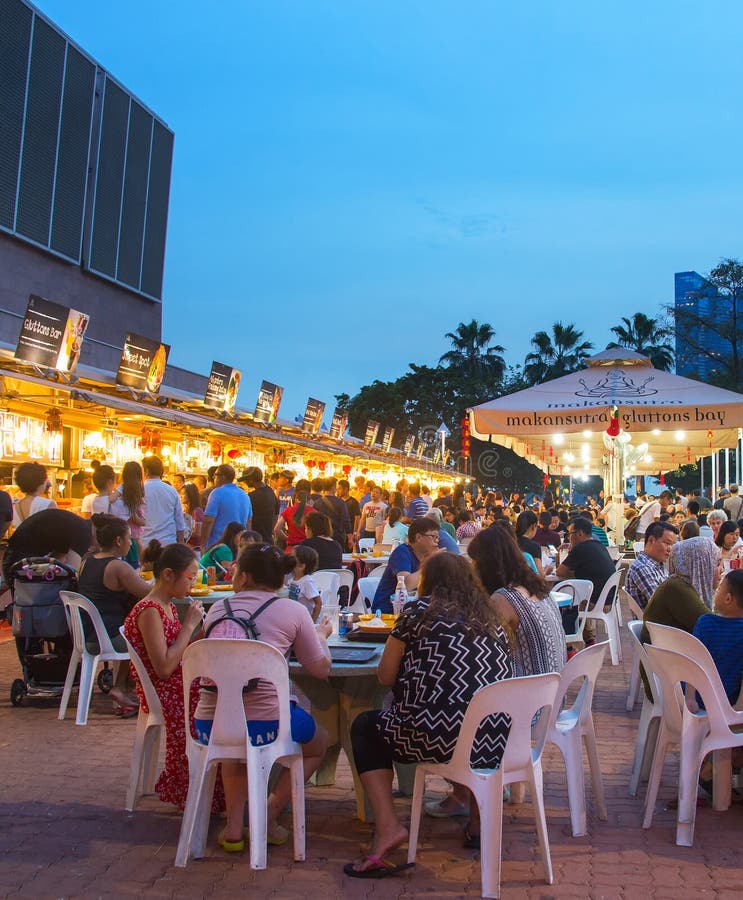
{"points": [[302, 586]]}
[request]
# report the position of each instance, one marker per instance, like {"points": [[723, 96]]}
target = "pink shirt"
{"points": [[285, 624]]}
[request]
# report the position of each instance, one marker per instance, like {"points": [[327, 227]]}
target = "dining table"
{"points": [[369, 558], [350, 689]]}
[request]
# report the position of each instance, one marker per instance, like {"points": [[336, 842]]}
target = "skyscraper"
{"points": [[696, 295]]}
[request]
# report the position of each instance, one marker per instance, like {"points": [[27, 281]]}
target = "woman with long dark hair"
{"points": [[192, 513], [443, 648]]}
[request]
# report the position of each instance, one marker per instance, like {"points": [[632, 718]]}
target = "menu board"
{"points": [[436, 456], [338, 424], [222, 388], [445, 460], [51, 335], [409, 442], [389, 433], [421, 448], [142, 364], [268, 403], [372, 430], [313, 416]]}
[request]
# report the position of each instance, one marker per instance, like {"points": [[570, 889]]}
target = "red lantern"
{"points": [[53, 420], [310, 463], [614, 426], [346, 470], [710, 435], [364, 471], [688, 454], [321, 465], [662, 478], [233, 453], [215, 449], [545, 480]]}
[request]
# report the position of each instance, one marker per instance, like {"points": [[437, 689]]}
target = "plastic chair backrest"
{"points": [[367, 543], [676, 669], [671, 638], [345, 577], [327, 581], [635, 630], [580, 588], [634, 606], [520, 699], [231, 664], [586, 664], [612, 584], [73, 604], [368, 587], [150, 694]]}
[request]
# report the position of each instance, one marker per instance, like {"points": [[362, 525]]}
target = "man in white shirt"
{"points": [[163, 512], [651, 513]]}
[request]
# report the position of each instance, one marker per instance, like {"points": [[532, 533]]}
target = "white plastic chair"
{"points": [[519, 698], [328, 583], [650, 714], [367, 589], [635, 682], [366, 544], [150, 729], [573, 727], [231, 664], [581, 589], [701, 732], [345, 577], [609, 617], [88, 662]]}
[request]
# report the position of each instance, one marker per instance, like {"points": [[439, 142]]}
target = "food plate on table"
{"points": [[199, 592], [223, 587]]}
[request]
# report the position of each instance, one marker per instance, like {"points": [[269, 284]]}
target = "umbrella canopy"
{"points": [[561, 425]]}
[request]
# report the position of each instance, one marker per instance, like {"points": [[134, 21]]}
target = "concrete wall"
{"points": [[113, 311]]}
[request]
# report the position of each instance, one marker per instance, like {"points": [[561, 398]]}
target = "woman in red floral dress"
{"points": [[155, 632]]}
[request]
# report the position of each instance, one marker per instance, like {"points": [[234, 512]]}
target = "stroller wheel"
{"points": [[105, 680], [17, 691]]}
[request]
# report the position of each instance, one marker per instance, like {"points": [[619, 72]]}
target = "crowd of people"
{"points": [[481, 608]]}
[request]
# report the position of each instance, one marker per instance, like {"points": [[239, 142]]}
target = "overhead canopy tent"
{"points": [[561, 425]]}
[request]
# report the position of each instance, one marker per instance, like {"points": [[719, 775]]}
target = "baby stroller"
{"points": [[39, 623]]}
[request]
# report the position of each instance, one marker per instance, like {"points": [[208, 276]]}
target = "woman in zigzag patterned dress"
{"points": [[443, 648]]}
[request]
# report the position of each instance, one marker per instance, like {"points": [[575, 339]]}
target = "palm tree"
{"points": [[555, 354], [646, 336], [472, 353]]}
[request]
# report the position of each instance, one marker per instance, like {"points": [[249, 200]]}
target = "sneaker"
{"points": [[446, 808]]}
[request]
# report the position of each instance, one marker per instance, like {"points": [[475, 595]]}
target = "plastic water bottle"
{"points": [[401, 592]]}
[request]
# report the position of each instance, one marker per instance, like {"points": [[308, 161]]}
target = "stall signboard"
{"points": [[372, 430], [268, 403], [313, 416], [142, 364], [421, 448], [222, 387], [409, 443], [445, 460], [338, 424], [51, 335], [436, 457], [389, 433]]}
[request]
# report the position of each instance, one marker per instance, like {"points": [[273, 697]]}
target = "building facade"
{"points": [[694, 294]]}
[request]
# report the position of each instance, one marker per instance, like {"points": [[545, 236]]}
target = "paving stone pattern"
{"points": [[64, 833]]}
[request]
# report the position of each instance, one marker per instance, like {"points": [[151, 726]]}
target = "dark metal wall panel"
{"points": [[72, 161], [135, 196], [39, 153], [110, 180], [15, 41], [156, 224]]}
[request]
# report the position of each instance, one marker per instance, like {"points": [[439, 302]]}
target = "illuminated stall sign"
{"points": [[372, 430], [313, 416], [222, 387], [142, 364], [421, 448], [409, 442], [389, 433], [338, 424], [269, 401], [51, 335]]}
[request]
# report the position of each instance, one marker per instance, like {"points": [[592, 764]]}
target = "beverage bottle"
{"points": [[401, 592]]}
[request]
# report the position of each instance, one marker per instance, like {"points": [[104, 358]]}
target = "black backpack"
{"points": [[248, 626]]}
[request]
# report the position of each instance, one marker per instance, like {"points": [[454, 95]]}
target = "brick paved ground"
{"points": [[64, 833]]}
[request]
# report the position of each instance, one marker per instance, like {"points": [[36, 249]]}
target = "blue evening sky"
{"points": [[353, 179]]}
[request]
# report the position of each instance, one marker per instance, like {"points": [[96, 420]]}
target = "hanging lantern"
{"points": [[233, 453], [321, 465], [145, 440], [54, 420], [710, 435], [614, 426], [545, 479], [310, 463], [662, 478], [364, 471], [688, 454], [215, 449], [346, 470]]}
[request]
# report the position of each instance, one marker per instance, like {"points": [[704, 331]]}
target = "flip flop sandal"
{"points": [[380, 868], [277, 836], [123, 711]]}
